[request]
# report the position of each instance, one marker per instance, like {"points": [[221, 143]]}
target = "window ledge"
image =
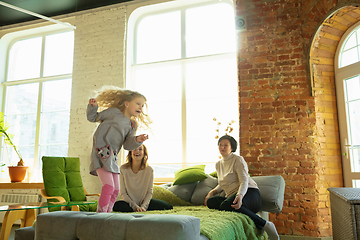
{"points": [[21, 185]]}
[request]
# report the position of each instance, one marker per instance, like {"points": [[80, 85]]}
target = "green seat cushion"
{"points": [[61, 176], [84, 208], [190, 174], [89, 207]]}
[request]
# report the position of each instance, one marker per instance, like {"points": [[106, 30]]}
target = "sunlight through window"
{"points": [[38, 95], [185, 65]]}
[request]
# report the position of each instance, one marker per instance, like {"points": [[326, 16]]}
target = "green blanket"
{"points": [[219, 225]]}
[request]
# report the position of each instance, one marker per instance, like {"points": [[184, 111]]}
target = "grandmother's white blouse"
{"points": [[233, 175]]}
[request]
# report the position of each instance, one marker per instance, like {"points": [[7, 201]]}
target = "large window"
{"points": [[37, 94], [348, 88], [183, 59]]}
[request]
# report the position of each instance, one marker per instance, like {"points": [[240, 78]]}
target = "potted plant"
{"points": [[16, 173]]}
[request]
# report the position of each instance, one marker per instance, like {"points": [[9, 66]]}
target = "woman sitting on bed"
{"points": [[136, 185], [242, 192]]}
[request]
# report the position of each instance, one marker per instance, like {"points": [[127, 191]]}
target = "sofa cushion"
{"points": [[202, 189], [72, 225], [53, 224], [184, 191], [162, 193], [25, 233], [190, 174], [272, 190], [158, 226], [103, 226]]}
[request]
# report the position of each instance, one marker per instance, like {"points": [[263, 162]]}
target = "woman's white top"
{"points": [[233, 175], [136, 188]]}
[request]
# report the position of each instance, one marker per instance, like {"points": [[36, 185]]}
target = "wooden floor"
{"points": [[12, 233]]}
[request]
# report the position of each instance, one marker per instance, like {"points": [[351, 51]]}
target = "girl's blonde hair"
{"points": [[112, 96], [129, 159]]}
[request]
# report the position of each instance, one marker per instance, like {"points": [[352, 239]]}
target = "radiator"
{"points": [[13, 198]]}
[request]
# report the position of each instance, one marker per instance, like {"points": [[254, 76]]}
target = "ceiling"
{"points": [[48, 8]]}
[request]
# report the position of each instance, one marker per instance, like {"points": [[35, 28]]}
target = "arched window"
{"points": [[182, 57], [347, 78], [37, 95]]}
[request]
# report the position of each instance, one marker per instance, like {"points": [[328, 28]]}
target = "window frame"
{"points": [[342, 74]]}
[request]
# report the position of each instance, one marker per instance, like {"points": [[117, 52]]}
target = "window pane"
{"points": [[355, 159], [158, 38], [210, 30], [161, 85], [352, 88], [211, 78], [349, 57], [356, 183], [10, 158], [158, 82], [165, 170], [59, 50], [354, 122], [23, 129], [22, 99], [55, 117], [211, 91], [54, 127], [56, 95], [351, 42], [25, 59], [53, 150], [352, 101]]}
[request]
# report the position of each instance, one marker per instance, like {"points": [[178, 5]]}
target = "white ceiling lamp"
{"points": [[36, 15]]}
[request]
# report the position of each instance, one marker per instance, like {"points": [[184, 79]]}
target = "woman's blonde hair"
{"points": [[129, 160], [112, 96]]}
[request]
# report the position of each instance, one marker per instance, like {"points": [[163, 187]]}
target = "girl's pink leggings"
{"points": [[109, 191]]}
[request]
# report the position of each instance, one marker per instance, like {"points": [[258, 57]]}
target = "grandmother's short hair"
{"points": [[232, 141]]}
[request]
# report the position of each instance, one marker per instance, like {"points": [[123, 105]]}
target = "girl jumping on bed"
{"points": [[241, 191], [122, 110]]}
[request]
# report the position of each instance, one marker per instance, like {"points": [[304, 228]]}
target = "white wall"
{"points": [[98, 61]]}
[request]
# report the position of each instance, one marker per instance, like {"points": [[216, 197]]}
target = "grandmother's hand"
{"points": [[237, 201]]}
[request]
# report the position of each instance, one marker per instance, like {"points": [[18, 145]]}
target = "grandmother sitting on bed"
{"points": [[242, 192]]}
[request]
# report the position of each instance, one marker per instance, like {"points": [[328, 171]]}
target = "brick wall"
{"points": [[288, 127]]}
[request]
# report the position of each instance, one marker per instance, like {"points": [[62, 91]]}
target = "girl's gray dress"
{"points": [[114, 131]]}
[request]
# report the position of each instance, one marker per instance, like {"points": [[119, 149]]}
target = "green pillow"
{"points": [[214, 174], [189, 175], [168, 196]]}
